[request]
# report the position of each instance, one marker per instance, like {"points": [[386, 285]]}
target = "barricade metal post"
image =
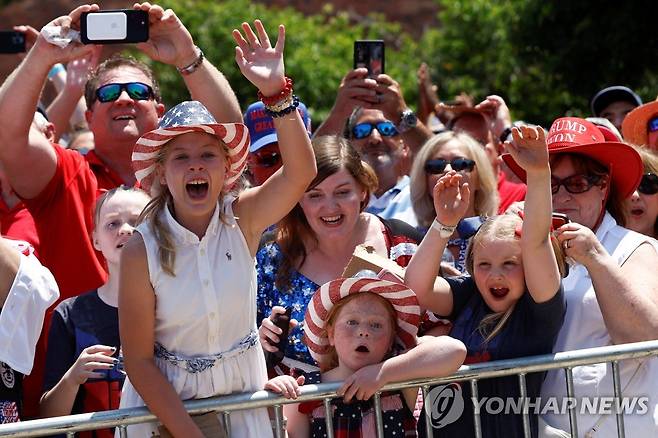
{"points": [[616, 384], [227, 422], [378, 415], [278, 421], [428, 415], [123, 431], [476, 414], [70, 434], [328, 417], [572, 406], [524, 400]]}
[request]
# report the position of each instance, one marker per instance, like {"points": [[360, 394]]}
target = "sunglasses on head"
{"points": [[457, 164], [268, 160], [136, 91], [574, 184], [385, 128], [653, 124], [648, 184]]}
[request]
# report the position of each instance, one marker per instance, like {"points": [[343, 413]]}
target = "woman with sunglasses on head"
{"points": [[315, 241], [461, 153], [611, 290], [641, 208]]}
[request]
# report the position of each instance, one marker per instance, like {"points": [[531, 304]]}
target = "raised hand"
{"points": [[496, 109], [169, 40], [451, 198], [528, 148], [78, 70], [258, 61], [92, 360]]}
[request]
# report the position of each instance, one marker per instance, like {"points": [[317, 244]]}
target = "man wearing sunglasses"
{"points": [[264, 156]]}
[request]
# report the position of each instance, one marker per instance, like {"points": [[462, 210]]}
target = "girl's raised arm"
{"points": [[450, 202], [262, 64], [528, 148]]}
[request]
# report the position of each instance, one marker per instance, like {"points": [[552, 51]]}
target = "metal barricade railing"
{"points": [[567, 360]]}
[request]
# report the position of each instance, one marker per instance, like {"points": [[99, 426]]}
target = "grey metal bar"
{"points": [[123, 431], [524, 399], [279, 431], [616, 384], [70, 434], [476, 415], [572, 407], [328, 417], [107, 419], [428, 412], [227, 422], [379, 422]]}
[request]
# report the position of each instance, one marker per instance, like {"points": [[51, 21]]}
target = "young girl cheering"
{"points": [[353, 328], [512, 303], [82, 363], [187, 299]]}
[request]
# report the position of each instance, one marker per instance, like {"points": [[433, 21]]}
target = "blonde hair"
{"points": [[503, 227], [486, 197], [332, 361], [154, 209]]}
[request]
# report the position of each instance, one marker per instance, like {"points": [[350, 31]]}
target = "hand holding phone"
{"points": [[281, 320], [370, 54], [122, 26]]}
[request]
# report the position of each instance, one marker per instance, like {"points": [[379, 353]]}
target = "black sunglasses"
{"points": [[385, 128], [136, 91], [457, 164], [653, 125], [269, 160], [574, 184], [648, 184]]}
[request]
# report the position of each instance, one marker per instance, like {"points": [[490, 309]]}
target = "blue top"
{"points": [[531, 329]]}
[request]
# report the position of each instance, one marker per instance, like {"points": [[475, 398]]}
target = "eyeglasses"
{"points": [[268, 160], [574, 184], [136, 91], [458, 164], [385, 128], [648, 184], [653, 125]]}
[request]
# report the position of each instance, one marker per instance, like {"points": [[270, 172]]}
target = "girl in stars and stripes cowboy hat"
{"points": [[188, 285]]}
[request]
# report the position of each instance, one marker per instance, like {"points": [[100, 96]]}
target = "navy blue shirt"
{"points": [[531, 329]]}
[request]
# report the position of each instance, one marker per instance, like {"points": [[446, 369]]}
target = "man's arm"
{"points": [[170, 42], [9, 262], [22, 148]]}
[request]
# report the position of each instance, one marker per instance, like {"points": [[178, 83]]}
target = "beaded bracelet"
{"points": [[279, 106], [287, 110], [191, 68], [273, 100]]}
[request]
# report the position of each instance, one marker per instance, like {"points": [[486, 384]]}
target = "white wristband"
{"points": [[445, 231]]}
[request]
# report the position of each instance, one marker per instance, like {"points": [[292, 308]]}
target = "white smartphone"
{"points": [[114, 27]]}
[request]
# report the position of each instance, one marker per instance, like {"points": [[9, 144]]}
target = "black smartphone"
{"points": [[559, 219], [120, 26], [12, 42], [370, 54], [281, 320]]}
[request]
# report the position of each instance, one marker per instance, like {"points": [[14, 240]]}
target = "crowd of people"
{"points": [[176, 240]]}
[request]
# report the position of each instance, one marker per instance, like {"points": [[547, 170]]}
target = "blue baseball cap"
{"points": [[261, 126]]}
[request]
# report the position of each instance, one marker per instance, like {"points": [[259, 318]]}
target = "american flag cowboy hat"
{"points": [[403, 300], [186, 117]]}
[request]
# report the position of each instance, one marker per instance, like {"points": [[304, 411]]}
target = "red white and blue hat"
{"points": [[403, 300], [187, 117]]}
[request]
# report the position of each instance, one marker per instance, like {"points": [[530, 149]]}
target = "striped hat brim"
{"points": [[403, 300], [234, 135]]}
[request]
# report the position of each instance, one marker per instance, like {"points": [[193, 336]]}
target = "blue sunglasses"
{"points": [[363, 130], [136, 91]]}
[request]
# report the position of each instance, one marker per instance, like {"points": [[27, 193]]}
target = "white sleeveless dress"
{"points": [[208, 308]]}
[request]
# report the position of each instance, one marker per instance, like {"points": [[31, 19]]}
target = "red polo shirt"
{"points": [[18, 224], [509, 192]]}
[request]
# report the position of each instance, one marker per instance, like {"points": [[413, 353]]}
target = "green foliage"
{"points": [[318, 53]]}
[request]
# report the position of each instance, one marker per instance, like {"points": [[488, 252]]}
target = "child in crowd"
{"points": [[82, 363], [353, 328], [511, 305], [187, 295]]}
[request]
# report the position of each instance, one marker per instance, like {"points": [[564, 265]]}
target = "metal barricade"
{"points": [[472, 373]]}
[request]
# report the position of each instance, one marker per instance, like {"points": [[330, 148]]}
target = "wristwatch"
{"points": [[408, 120], [445, 231]]}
